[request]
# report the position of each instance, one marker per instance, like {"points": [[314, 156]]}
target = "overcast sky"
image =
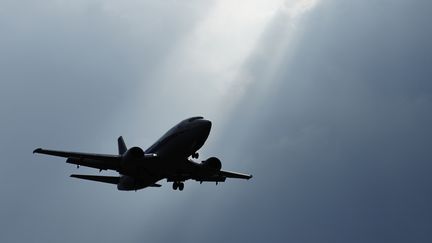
{"points": [[326, 102]]}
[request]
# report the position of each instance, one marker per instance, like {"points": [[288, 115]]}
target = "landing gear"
{"points": [[178, 185], [195, 155]]}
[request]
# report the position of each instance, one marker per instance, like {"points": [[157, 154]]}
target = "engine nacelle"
{"points": [[212, 163], [132, 156]]}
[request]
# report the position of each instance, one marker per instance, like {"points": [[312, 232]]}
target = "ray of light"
{"points": [[205, 72]]}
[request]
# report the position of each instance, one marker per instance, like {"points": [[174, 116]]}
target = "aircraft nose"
{"points": [[207, 125]]}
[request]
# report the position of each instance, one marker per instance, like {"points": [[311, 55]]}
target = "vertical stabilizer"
{"points": [[121, 146]]}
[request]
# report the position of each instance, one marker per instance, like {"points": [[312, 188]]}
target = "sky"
{"points": [[326, 102]]}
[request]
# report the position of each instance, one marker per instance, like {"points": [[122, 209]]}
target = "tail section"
{"points": [[121, 146]]}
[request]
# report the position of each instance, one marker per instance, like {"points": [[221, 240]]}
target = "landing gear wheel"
{"points": [[181, 186], [195, 155], [175, 186]]}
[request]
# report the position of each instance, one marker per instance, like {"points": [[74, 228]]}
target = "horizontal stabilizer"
{"points": [[105, 179]]}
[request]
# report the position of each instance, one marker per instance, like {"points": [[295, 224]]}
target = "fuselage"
{"points": [[183, 139], [171, 153]]}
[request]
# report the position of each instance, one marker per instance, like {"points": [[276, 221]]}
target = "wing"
{"points": [[219, 176], [99, 161], [66, 154], [230, 174], [198, 172]]}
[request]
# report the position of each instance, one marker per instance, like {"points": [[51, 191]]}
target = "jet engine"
{"points": [[212, 163], [134, 153], [130, 159]]}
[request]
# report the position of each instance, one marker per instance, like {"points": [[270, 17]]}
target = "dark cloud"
{"points": [[340, 144]]}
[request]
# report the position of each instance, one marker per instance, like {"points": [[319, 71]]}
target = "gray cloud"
{"points": [[340, 144], [336, 131], [65, 71]]}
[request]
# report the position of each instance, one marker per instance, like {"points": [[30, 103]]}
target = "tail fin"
{"points": [[121, 146]]}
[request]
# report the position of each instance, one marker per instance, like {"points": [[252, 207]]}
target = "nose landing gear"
{"points": [[178, 185]]}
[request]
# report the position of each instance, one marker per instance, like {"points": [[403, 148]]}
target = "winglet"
{"points": [[38, 150]]}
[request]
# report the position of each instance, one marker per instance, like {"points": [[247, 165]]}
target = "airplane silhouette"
{"points": [[168, 158]]}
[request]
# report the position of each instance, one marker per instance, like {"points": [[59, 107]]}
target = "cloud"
{"points": [[326, 103], [338, 142], [67, 70]]}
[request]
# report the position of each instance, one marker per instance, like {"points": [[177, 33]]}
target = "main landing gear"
{"points": [[178, 185], [195, 156]]}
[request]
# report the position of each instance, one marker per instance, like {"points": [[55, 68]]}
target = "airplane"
{"points": [[168, 158]]}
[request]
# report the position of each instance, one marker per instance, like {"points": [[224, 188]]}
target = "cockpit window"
{"points": [[195, 118]]}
